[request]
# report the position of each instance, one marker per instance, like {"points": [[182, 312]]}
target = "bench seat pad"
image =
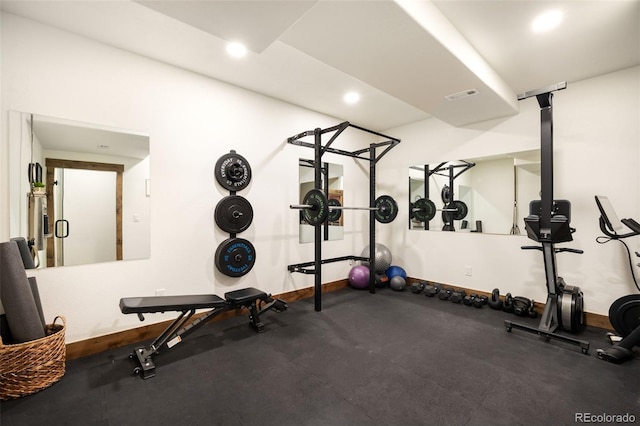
{"points": [[245, 295], [134, 305]]}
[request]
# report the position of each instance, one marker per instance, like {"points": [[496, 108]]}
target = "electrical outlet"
{"points": [[468, 271], [160, 292]]}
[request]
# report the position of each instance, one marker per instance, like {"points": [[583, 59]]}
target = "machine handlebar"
{"points": [[556, 250]]}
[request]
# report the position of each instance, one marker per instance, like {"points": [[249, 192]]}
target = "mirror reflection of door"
{"points": [[85, 212]]}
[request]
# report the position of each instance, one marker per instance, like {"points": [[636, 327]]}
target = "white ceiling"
{"points": [[403, 56], [72, 136]]}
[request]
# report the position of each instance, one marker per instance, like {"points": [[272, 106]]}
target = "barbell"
{"points": [[424, 210], [316, 208]]}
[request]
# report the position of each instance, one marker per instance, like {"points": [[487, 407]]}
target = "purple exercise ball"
{"points": [[359, 276]]}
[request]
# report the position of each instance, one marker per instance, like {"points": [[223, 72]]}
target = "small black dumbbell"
{"points": [[444, 294], [457, 296], [431, 290], [468, 300], [480, 301], [417, 287]]}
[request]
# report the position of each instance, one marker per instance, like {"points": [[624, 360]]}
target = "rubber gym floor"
{"points": [[390, 358]]}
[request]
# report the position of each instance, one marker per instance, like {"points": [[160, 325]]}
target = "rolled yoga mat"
{"points": [[25, 253], [5, 332], [33, 284], [17, 298]]}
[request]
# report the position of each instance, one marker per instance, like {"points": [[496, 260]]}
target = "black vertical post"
{"points": [[318, 228], [451, 179], [409, 201], [372, 218], [546, 198], [426, 191], [449, 224], [325, 188], [546, 161]]}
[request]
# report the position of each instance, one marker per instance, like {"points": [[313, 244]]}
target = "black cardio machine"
{"points": [[548, 223], [624, 313]]}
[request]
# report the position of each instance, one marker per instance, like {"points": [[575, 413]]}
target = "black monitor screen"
{"points": [[608, 213]]}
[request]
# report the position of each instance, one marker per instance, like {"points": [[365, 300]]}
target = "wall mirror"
{"points": [[496, 191], [79, 192], [332, 185]]}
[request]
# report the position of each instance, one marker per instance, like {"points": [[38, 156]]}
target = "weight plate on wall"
{"points": [[235, 257], [387, 209], [319, 210], [334, 215], [425, 210], [233, 214], [445, 194], [233, 171]]}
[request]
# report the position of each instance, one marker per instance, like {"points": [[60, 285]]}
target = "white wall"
{"points": [[596, 145], [193, 120]]}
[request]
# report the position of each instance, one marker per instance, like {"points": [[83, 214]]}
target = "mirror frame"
{"points": [[331, 231], [524, 188], [22, 153]]}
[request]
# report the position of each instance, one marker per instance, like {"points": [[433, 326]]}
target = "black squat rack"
{"points": [[372, 154]]}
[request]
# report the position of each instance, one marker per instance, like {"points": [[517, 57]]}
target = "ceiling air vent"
{"points": [[463, 94]]}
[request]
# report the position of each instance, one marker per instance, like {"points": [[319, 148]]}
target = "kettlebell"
{"points": [[521, 306], [495, 302], [507, 306]]}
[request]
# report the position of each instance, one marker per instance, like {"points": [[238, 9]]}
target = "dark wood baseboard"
{"points": [[99, 344]]}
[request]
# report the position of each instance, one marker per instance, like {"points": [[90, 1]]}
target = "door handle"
{"points": [[60, 227]]}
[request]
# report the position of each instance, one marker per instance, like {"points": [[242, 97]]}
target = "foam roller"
{"points": [[18, 301]]}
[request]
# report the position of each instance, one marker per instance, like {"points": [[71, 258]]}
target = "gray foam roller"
{"points": [[17, 298]]}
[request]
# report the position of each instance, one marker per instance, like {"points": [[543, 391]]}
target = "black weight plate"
{"points": [[445, 194], [235, 257], [233, 214], [233, 172], [462, 208], [387, 209], [624, 314], [426, 210], [334, 214], [319, 211], [461, 211], [412, 214]]}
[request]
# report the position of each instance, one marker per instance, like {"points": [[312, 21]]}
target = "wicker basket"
{"points": [[29, 367]]}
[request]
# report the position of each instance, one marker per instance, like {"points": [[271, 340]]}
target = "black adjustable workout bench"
{"points": [[250, 298]]}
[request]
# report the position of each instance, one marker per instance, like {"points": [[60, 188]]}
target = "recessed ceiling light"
{"points": [[351, 98], [546, 21], [236, 49]]}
